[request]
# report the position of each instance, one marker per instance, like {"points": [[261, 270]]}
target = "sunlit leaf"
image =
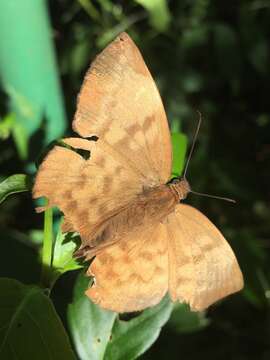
{"points": [[64, 247], [6, 125], [90, 9], [160, 16], [90, 325], [179, 142], [36, 236], [112, 32], [96, 331], [132, 338]]}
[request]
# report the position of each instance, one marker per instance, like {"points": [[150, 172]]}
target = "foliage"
{"points": [[99, 334], [30, 327], [12, 185], [206, 56]]}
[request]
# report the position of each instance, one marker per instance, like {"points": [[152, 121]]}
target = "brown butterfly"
{"points": [[121, 202]]}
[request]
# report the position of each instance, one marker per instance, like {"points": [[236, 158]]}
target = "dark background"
{"points": [[210, 56]]}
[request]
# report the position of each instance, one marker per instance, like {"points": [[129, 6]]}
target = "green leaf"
{"points": [[30, 327], [132, 338], [36, 236], [64, 247], [20, 139], [185, 321], [112, 32], [160, 16], [179, 142], [14, 184], [90, 9], [6, 125], [96, 331], [90, 325]]}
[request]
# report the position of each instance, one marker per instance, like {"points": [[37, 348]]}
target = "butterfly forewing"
{"points": [[87, 191], [119, 102]]}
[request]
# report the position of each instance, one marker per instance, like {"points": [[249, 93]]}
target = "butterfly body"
{"points": [[120, 199], [150, 207]]}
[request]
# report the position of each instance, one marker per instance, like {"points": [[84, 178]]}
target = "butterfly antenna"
{"points": [[213, 196], [188, 160], [193, 143]]}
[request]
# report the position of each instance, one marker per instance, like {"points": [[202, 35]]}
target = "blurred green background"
{"points": [[204, 55]]}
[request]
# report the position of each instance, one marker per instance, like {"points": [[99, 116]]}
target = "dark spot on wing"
{"points": [[67, 194], [92, 138], [72, 205], [149, 120]]}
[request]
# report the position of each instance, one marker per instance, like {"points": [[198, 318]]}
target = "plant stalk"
{"points": [[46, 270]]}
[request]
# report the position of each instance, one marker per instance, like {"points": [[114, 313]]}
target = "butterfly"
{"points": [[143, 241]]}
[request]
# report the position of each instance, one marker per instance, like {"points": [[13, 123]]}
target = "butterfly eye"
{"points": [[174, 180]]}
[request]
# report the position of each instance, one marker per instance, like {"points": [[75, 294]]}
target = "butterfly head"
{"points": [[180, 187]]}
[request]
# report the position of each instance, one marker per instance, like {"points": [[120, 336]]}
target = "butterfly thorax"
{"points": [[150, 207], [179, 187]]}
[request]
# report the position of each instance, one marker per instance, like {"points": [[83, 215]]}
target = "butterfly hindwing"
{"points": [[202, 265], [133, 273]]}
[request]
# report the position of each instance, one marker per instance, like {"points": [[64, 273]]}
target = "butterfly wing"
{"points": [[133, 273], [87, 191], [119, 102], [202, 265]]}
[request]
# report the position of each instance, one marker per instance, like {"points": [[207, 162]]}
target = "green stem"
{"points": [[47, 248]]}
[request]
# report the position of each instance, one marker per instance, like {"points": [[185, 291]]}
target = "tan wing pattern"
{"points": [[87, 191], [132, 274], [202, 266], [135, 265], [119, 102]]}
